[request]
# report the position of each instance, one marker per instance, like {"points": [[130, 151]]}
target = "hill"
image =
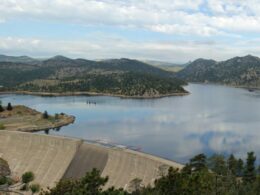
{"points": [[122, 77], [238, 71], [21, 59], [168, 66]]}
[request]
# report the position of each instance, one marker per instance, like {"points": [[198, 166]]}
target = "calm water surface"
{"points": [[212, 119]]}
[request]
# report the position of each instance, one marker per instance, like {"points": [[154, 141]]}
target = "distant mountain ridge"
{"points": [[19, 59], [168, 66], [59, 74], [237, 71]]}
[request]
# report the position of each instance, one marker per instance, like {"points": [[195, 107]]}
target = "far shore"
{"points": [[50, 94], [227, 85]]}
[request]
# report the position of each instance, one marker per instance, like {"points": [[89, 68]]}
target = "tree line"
{"points": [[9, 107], [215, 175], [130, 84]]}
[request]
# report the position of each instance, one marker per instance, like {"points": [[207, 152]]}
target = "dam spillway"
{"points": [[52, 158]]}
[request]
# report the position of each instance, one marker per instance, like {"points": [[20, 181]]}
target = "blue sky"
{"points": [[167, 30]]}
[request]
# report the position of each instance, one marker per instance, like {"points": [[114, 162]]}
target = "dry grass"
{"points": [[22, 118]]}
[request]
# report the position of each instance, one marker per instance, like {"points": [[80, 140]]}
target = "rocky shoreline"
{"points": [[50, 94]]}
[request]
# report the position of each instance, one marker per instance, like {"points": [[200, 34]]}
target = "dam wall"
{"points": [[46, 156], [52, 158]]}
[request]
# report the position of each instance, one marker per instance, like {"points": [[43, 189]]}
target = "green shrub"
{"points": [[57, 116], [3, 180], [10, 181], [2, 127], [35, 188], [27, 177]]}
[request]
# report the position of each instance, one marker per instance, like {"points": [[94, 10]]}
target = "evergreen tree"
{"points": [[198, 162], [90, 184], [1, 108], [217, 163], [240, 167], [232, 164], [250, 171], [9, 107], [45, 115], [258, 170]]}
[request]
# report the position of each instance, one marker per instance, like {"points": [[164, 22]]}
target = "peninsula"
{"points": [[22, 118]]}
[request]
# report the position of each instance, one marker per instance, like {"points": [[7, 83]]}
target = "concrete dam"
{"points": [[52, 158]]}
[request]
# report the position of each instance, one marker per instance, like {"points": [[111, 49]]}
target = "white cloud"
{"points": [[98, 46], [185, 29], [225, 24], [167, 16]]}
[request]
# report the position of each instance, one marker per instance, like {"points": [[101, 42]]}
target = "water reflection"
{"points": [[212, 119]]}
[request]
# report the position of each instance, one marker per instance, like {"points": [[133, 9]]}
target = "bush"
{"points": [[57, 116], [27, 177], [4, 168], [3, 180], [2, 127], [35, 188]]}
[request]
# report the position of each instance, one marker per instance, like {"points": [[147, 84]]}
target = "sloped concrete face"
{"points": [[46, 156], [124, 166], [52, 158], [88, 156], [121, 165]]}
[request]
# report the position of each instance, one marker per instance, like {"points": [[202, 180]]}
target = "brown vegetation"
{"points": [[22, 118]]}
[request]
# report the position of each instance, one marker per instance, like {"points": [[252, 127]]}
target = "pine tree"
{"points": [[232, 164], [1, 108], [217, 164], [9, 107], [250, 171], [198, 162], [45, 115], [240, 167]]}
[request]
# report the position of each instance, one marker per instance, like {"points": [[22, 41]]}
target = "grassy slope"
{"points": [[22, 118]]}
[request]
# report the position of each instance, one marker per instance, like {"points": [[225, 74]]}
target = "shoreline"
{"points": [[69, 120], [53, 94], [227, 85]]}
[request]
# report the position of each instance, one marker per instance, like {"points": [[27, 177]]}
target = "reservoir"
{"points": [[212, 119]]}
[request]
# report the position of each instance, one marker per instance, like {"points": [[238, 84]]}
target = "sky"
{"points": [[167, 30]]}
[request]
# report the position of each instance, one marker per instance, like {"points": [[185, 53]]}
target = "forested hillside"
{"points": [[61, 74], [238, 71]]}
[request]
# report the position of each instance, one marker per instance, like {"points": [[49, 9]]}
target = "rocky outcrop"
{"points": [[238, 71], [4, 168]]}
